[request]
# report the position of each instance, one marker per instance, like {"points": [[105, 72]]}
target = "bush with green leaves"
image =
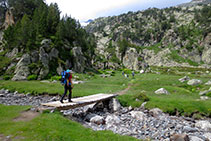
{"points": [[56, 77], [141, 96], [7, 77], [32, 77]]}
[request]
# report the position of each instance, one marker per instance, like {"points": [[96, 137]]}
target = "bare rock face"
{"points": [[207, 51], [9, 19], [13, 53], [79, 60], [22, 70], [130, 59]]}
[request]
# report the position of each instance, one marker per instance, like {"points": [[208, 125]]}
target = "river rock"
{"points": [[112, 119], [208, 136], [179, 137], [194, 82], [189, 129], [156, 112], [203, 124], [162, 91], [89, 116], [97, 120], [186, 78], [114, 105], [138, 115], [195, 138]]}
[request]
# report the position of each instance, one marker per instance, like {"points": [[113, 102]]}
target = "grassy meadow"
{"points": [[182, 100]]}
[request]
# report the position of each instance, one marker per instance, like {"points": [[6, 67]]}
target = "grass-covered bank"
{"points": [[94, 85], [183, 99], [48, 126]]}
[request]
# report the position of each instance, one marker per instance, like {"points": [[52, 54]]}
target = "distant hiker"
{"points": [[133, 74], [68, 85], [123, 73]]}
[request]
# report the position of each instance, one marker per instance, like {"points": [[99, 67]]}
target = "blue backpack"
{"points": [[63, 79]]}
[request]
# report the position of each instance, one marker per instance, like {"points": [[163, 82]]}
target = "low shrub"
{"points": [[32, 77], [7, 77], [141, 96], [57, 78]]}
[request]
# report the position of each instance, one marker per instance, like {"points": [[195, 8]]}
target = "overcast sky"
{"points": [[84, 10]]}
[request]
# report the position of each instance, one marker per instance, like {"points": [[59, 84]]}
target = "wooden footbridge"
{"points": [[79, 102]]}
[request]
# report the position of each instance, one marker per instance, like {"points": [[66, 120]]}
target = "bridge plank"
{"points": [[79, 102]]}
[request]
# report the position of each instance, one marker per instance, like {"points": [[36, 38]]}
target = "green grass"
{"points": [[49, 126], [176, 57], [182, 98], [92, 86], [4, 61]]}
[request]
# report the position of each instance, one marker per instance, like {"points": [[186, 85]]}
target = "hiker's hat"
{"points": [[69, 71]]}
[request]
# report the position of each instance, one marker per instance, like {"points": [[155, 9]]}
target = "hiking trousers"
{"points": [[67, 88]]}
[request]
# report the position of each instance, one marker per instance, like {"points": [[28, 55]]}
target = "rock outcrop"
{"points": [[22, 69], [79, 60], [9, 19], [130, 59]]}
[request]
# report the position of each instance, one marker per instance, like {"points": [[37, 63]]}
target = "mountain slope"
{"points": [[176, 36]]}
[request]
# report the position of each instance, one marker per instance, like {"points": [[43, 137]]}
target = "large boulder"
{"points": [[162, 91], [114, 105], [54, 53], [97, 120], [185, 78], [156, 112], [203, 124], [112, 119], [208, 82], [194, 82], [138, 115], [206, 56], [179, 137], [130, 60], [79, 60], [22, 70], [34, 56], [44, 57], [207, 51]]}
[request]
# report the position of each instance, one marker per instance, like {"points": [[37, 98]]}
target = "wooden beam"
{"points": [[79, 102]]}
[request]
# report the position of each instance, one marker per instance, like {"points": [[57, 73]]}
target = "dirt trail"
{"points": [[125, 90], [26, 116]]}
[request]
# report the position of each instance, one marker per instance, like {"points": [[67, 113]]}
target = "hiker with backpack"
{"points": [[68, 85]]}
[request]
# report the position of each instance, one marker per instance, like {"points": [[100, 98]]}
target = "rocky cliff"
{"points": [[175, 36]]}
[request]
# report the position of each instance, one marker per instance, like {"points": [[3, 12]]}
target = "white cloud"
{"points": [[89, 9]]}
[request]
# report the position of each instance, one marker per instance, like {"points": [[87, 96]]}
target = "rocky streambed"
{"points": [[139, 122]]}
